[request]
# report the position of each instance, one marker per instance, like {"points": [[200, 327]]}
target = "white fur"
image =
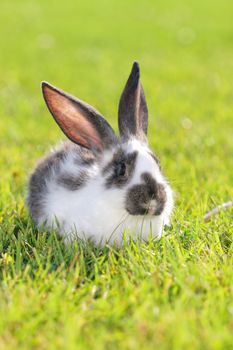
{"points": [[98, 213]]}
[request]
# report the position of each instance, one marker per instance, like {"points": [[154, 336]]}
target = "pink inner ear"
{"points": [[72, 119]]}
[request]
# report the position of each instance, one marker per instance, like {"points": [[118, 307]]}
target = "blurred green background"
{"points": [[185, 50], [87, 48]]}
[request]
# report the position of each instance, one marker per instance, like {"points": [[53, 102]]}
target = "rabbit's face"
{"points": [[135, 170]]}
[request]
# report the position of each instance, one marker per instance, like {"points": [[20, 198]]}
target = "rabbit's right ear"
{"points": [[80, 122], [132, 110]]}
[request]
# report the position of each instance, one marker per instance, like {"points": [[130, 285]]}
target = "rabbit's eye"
{"points": [[120, 169]]}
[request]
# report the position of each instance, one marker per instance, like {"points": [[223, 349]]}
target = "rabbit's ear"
{"points": [[80, 122], [132, 111]]}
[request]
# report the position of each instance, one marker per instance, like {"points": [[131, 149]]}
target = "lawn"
{"points": [[176, 293]]}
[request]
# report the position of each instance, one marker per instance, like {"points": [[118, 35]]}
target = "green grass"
{"points": [[176, 293]]}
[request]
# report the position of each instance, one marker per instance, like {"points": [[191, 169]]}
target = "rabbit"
{"points": [[97, 185]]}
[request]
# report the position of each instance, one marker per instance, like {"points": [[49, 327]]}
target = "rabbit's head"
{"points": [[128, 169]]}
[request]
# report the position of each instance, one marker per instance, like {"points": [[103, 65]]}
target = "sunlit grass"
{"points": [[175, 293]]}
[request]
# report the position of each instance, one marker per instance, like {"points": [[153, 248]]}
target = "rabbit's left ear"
{"points": [[132, 111], [80, 122]]}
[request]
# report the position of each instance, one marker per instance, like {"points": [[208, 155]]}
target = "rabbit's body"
{"points": [[68, 192], [102, 186]]}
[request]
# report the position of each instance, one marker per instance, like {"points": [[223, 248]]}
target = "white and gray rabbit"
{"points": [[97, 185]]}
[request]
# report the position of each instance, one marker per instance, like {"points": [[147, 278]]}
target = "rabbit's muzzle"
{"points": [[148, 198]]}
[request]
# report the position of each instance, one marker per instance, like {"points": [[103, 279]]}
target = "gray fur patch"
{"points": [[38, 182], [72, 182], [120, 158], [84, 156]]}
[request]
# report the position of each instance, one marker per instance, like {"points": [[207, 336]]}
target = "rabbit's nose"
{"points": [[152, 206]]}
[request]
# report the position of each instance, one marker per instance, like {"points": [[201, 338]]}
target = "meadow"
{"points": [[175, 293]]}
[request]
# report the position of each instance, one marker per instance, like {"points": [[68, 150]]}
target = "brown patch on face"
{"points": [[120, 169], [139, 197]]}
